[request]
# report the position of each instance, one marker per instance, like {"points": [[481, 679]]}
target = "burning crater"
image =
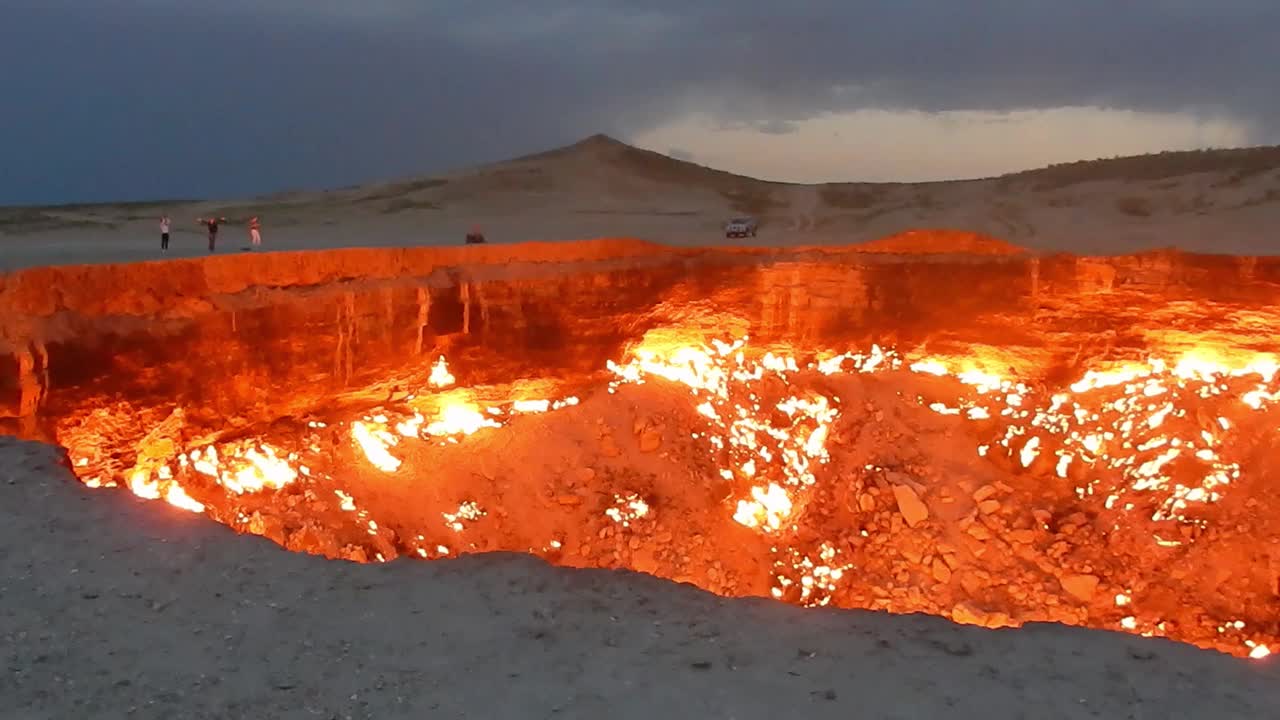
{"points": [[995, 439]]}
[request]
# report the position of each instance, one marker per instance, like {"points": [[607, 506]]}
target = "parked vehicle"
{"points": [[740, 227]]}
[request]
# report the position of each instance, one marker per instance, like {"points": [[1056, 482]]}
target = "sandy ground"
{"points": [[114, 607], [138, 241], [602, 188]]}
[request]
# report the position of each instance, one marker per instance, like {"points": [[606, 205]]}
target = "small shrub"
{"points": [[1134, 206], [851, 197]]}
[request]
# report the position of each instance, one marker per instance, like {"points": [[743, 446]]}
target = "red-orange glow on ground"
{"points": [[1131, 497]]}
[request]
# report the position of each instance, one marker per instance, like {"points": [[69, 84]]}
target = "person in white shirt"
{"points": [[164, 233]]}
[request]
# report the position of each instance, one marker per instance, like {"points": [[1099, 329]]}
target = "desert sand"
{"points": [[1225, 201], [114, 607]]}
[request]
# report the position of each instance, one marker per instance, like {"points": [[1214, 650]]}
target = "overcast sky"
{"points": [[133, 99]]}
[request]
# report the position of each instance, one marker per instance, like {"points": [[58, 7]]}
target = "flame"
{"points": [[241, 467], [767, 509], [813, 581], [468, 511], [459, 418], [745, 435], [374, 440], [1107, 422], [531, 406], [440, 375], [627, 508]]}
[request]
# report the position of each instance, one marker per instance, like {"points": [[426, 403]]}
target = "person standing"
{"points": [[211, 224], [164, 233], [255, 232]]}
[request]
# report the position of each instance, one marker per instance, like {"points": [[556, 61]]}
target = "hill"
{"points": [[1208, 200]]}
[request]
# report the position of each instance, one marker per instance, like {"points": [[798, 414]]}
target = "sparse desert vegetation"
{"points": [[1235, 164], [1134, 206], [852, 196]]}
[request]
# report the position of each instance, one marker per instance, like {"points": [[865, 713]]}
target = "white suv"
{"points": [[740, 227]]}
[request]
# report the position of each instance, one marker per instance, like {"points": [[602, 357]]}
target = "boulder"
{"points": [[913, 509]]}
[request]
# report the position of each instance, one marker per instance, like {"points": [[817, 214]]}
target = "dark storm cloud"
{"points": [[143, 98]]}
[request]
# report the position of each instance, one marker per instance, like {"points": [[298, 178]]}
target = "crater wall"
{"points": [[250, 337]]}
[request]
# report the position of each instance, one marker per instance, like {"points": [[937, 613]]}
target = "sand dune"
{"points": [[1223, 201]]}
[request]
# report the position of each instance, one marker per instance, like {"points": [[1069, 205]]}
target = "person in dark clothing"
{"points": [[212, 225]]}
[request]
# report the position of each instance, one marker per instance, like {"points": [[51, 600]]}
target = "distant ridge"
{"points": [[1237, 164], [1152, 166], [1221, 200]]}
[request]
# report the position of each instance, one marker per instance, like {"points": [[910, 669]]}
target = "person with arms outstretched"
{"points": [[164, 233], [212, 225]]}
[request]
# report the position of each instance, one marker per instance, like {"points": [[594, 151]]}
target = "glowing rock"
{"points": [[969, 614], [1082, 587], [913, 509], [650, 439]]}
